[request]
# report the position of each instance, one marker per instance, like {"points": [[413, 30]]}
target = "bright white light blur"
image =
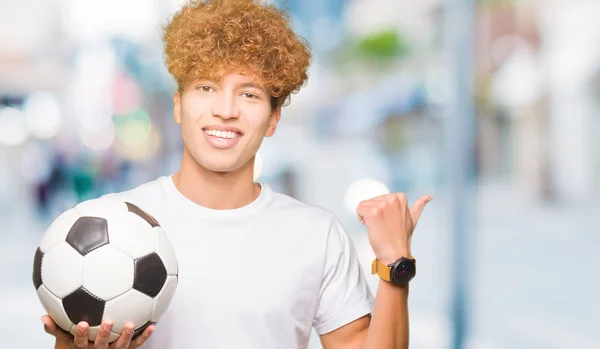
{"points": [[258, 166], [42, 115], [504, 46], [363, 189], [13, 130], [94, 119], [95, 66], [89, 92], [519, 81], [99, 139]]}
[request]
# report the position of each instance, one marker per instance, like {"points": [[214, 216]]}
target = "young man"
{"points": [[258, 269]]}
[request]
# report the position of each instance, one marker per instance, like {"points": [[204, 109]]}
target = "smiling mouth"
{"points": [[223, 134]]}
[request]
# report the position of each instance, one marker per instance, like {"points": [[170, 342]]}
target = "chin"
{"points": [[222, 164], [215, 162]]}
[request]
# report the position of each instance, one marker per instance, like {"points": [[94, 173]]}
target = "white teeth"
{"points": [[222, 134]]}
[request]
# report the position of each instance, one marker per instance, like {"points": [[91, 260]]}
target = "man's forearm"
{"points": [[389, 323]]}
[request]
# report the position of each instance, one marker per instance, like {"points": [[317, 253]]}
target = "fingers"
{"points": [[417, 208], [81, 335], [373, 207], [401, 198], [103, 335], [125, 339], [49, 325], [51, 328], [143, 337], [369, 207], [360, 219], [364, 209]]}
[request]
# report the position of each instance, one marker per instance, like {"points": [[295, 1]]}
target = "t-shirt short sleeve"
{"points": [[344, 294]]}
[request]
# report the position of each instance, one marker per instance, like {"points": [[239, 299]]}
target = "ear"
{"points": [[275, 116], [177, 107]]}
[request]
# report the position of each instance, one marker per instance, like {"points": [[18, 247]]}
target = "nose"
{"points": [[224, 107]]}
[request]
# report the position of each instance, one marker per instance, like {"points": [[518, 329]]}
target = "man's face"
{"points": [[224, 123]]}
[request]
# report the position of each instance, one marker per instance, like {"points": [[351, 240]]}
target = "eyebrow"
{"points": [[252, 84]]}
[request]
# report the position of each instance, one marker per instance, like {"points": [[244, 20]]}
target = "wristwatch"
{"points": [[400, 272]]}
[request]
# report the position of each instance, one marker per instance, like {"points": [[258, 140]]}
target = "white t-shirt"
{"points": [[260, 276]]}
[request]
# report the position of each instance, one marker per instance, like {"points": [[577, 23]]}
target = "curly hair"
{"points": [[205, 38]]}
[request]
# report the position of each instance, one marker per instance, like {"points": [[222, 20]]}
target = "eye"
{"points": [[205, 88], [249, 95]]}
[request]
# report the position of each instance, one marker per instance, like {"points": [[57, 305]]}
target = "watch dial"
{"points": [[404, 272]]}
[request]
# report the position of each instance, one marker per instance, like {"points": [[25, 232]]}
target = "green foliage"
{"points": [[375, 50], [385, 44]]}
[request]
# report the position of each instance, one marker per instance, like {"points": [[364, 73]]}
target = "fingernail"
{"points": [[81, 328], [129, 328], [429, 199], [152, 328], [107, 326]]}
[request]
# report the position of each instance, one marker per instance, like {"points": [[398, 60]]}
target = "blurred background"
{"points": [[490, 106]]}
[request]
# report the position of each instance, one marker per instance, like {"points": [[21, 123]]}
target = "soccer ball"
{"points": [[105, 259]]}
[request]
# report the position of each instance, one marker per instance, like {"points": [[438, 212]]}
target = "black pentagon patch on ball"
{"points": [[87, 234], [145, 216], [37, 268], [140, 330], [81, 305], [150, 275]]}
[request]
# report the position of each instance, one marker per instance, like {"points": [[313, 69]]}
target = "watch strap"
{"points": [[381, 269]]}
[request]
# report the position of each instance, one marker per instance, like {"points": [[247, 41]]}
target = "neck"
{"points": [[216, 190]]}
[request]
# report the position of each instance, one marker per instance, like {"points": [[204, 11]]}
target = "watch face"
{"points": [[404, 272]]}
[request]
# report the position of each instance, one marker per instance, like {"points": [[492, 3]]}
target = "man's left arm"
{"points": [[390, 224]]}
